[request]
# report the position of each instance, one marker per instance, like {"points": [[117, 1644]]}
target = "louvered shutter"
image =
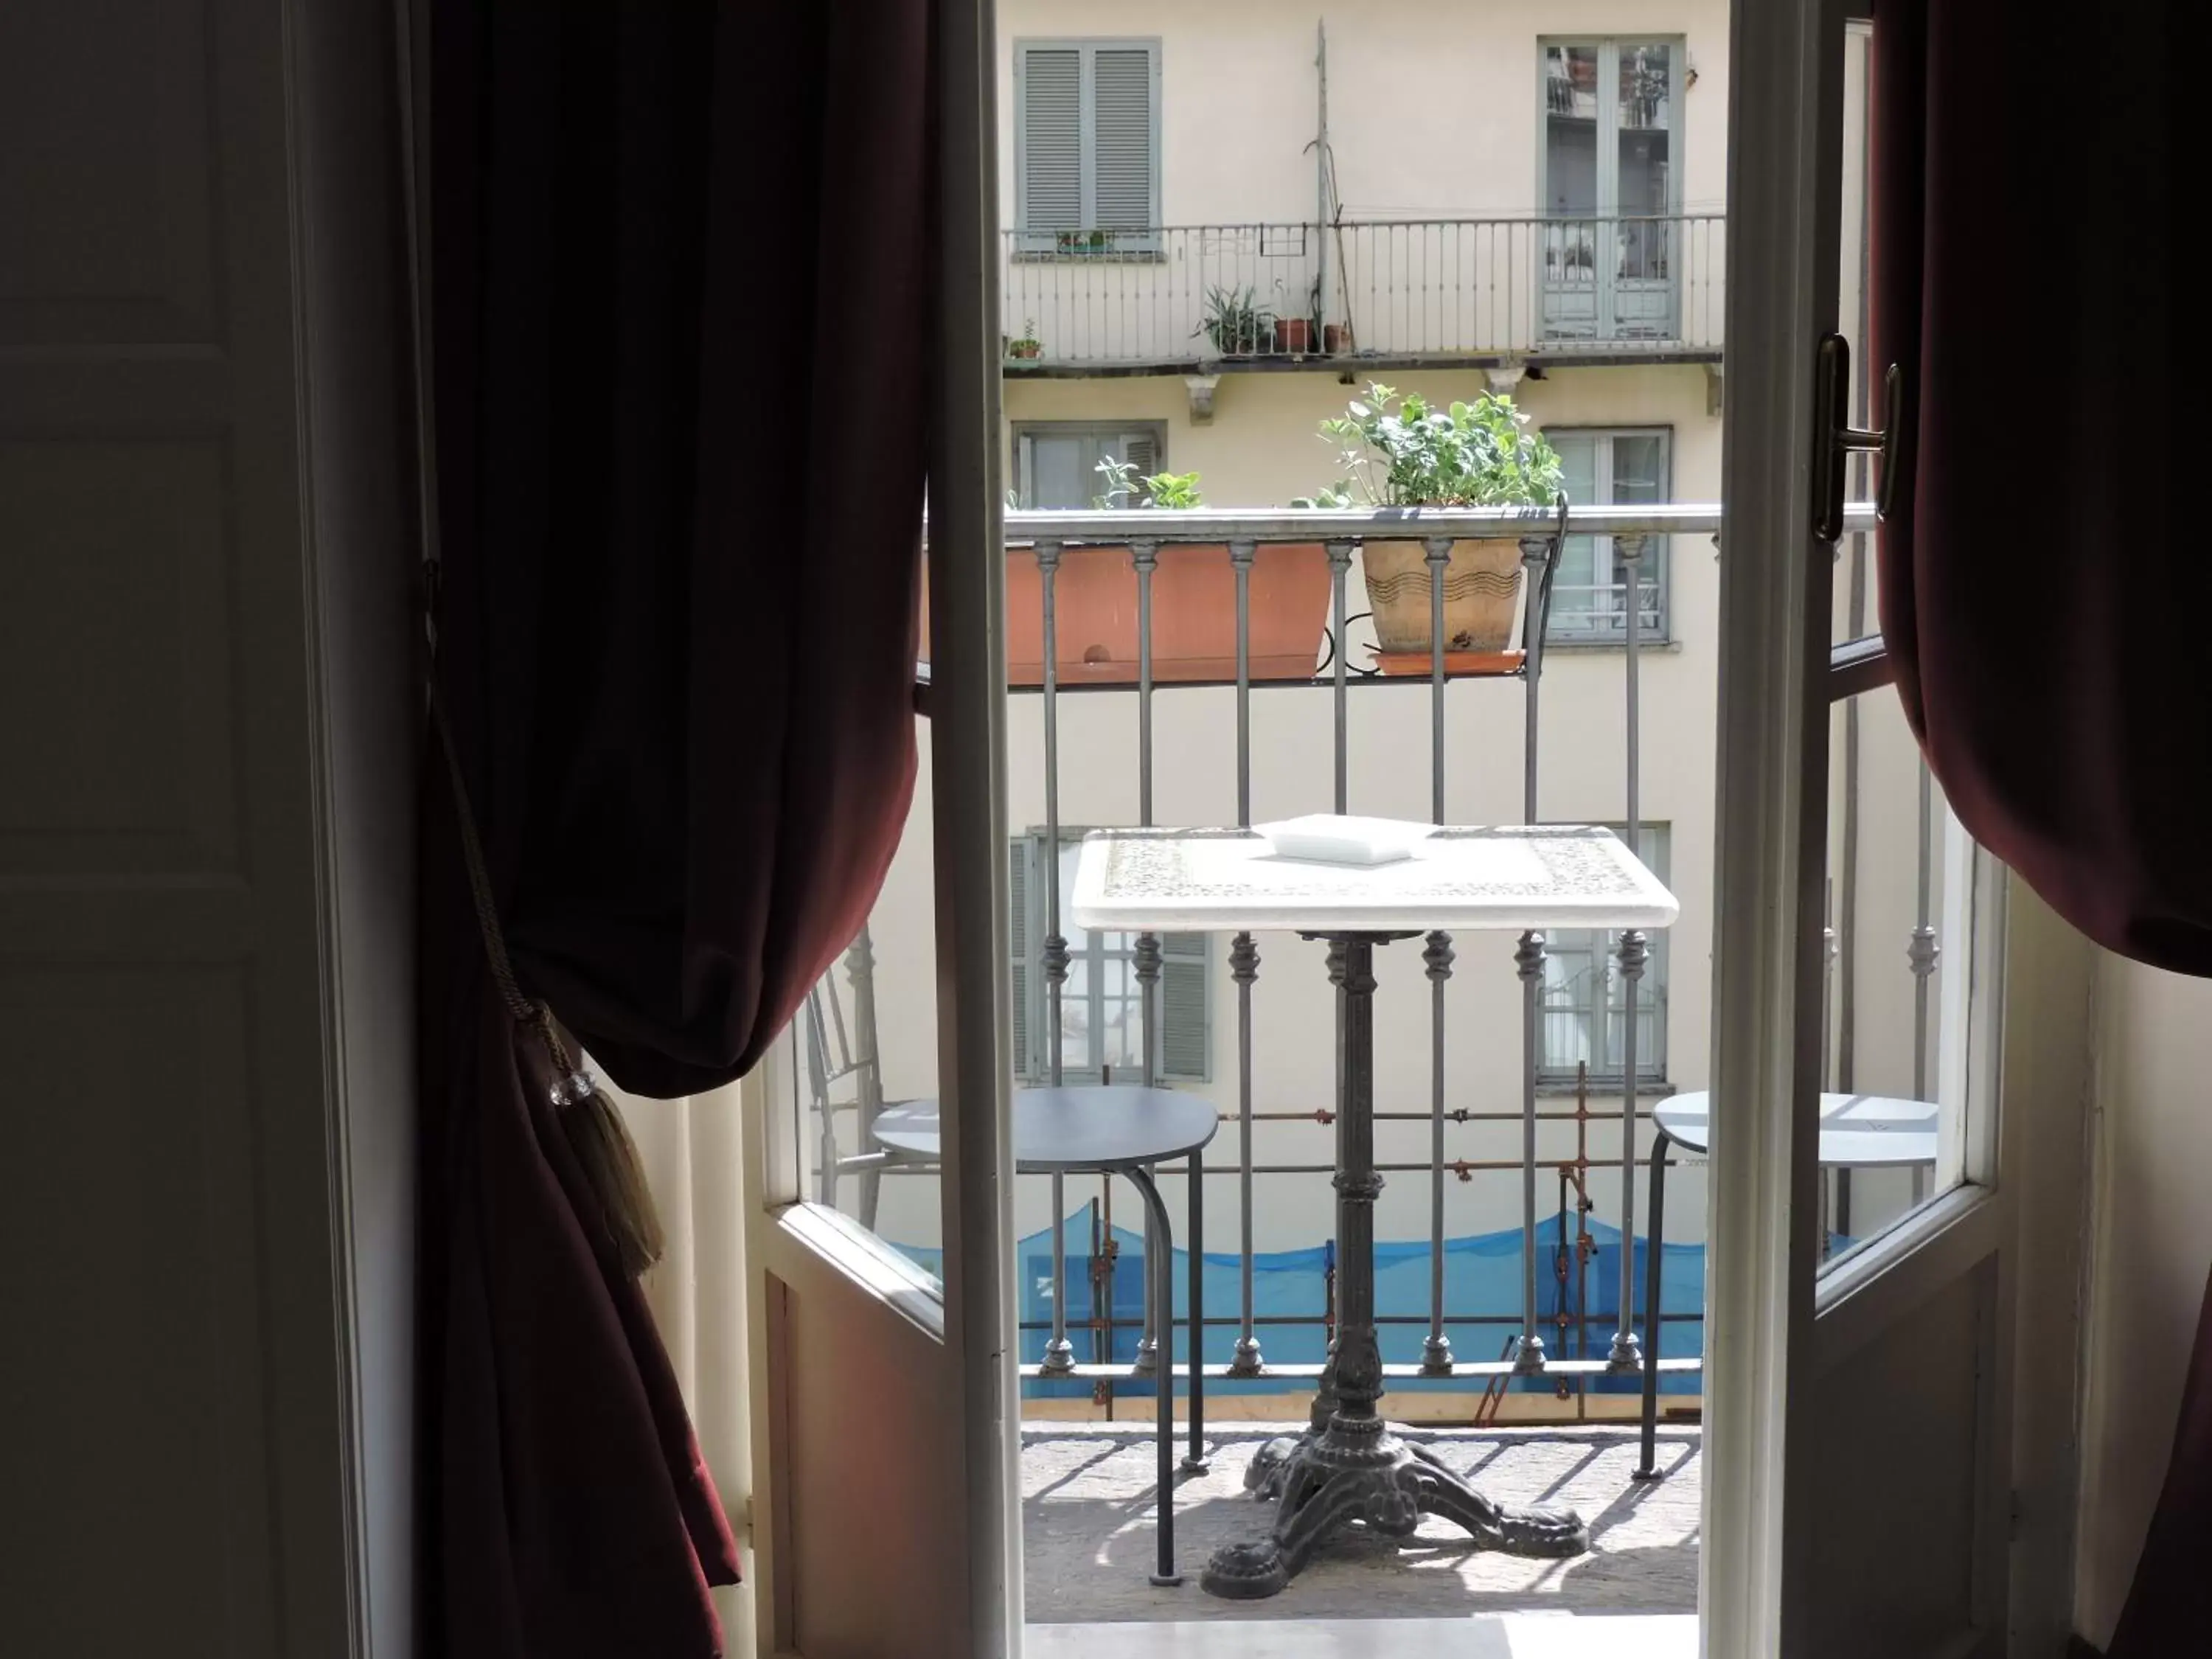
{"points": [[1051, 104], [1018, 934], [1185, 1037], [1142, 451], [1121, 138]]}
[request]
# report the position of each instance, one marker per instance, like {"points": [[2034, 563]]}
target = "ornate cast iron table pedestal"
{"points": [[1350, 1466], [1512, 879]]}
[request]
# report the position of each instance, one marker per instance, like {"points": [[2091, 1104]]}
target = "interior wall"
{"points": [[205, 832], [2152, 1243]]}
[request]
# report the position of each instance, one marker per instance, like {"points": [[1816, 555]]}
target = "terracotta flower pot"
{"points": [[1294, 336], [1336, 339], [1482, 585], [1194, 615]]}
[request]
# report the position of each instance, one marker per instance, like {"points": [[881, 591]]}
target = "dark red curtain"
{"points": [[2043, 595], [678, 317]]}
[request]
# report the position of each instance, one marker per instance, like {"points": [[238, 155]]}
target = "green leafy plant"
{"points": [[1028, 345], [1233, 324], [1084, 241], [1404, 452], [1125, 487]]}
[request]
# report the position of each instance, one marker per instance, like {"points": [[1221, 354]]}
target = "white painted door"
{"points": [[1862, 1372], [885, 1518]]}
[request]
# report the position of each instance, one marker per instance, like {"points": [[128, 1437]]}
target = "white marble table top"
{"points": [[1857, 1131], [1508, 876]]}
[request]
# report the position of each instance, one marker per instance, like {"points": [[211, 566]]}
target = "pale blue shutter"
{"points": [[1051, 162], [1186, 1041], [1122, 134]]}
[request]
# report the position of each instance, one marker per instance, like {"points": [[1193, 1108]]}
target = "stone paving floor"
{"points": [[1088, 1519]]}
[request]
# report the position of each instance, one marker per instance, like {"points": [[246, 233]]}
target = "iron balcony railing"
{"points": [[842, 1080], [1389, 291]]}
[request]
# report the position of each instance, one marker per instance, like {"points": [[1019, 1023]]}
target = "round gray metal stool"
{"points": [[1111, 1129]]}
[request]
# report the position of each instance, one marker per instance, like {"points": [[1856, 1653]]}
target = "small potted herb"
{"points": [[1028, 345], [1084, 241], [1407, 453]]}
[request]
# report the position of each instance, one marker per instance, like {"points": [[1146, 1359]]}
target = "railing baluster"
{"points": [[1436, 1352], [1340, 565], [1153, 1348], [1058, 1353], [1243, 969], [1627, 1354], [1536, 553]]}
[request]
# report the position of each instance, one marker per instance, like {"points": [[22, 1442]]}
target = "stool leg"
{"points": [[1194, 1460], [1655, 1250], [1160, 1271]]}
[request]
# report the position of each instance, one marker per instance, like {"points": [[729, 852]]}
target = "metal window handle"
{"points": [[1835, 438]]}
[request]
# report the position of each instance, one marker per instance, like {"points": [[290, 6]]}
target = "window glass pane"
{"points": [[1060, 469], [1639, 467], [1578, 554], [1609, 469], [1639, 474], [1075, 1055], [1570, 130], [1904, 1002], [1644, 118]]}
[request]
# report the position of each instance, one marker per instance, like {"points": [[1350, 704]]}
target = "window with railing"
{"points": [[1582, 1019], [1101, 1004], [1610, 467], [1087, 148]]}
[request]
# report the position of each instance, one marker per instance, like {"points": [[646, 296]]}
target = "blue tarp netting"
{"points": [[1482, 1290]]}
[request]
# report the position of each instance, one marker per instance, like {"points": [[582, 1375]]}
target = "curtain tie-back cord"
{"points": [[590, 1121]]}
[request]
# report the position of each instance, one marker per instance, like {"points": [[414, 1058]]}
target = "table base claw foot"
{"points": [[1263, 1475], [1386, 1486]]}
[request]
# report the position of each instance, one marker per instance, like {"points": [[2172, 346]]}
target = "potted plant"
{"points": [[1028, 345], [1193, 602], [1296, 335], [1234, 325], [1407, 453], [1083, 241]]}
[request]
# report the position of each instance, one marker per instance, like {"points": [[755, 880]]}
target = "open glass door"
{"points": [[879, 1225], [1862, 1291]]}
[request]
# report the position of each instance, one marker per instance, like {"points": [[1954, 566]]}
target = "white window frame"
{"points": [[1084, 241], [1563, 629], [1026, 432]]}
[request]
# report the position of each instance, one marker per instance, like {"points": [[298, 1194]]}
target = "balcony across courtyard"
{"points": [[1379, 294]]}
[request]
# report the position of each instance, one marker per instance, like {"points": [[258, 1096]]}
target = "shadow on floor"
{"points": [[1090, 1539]]}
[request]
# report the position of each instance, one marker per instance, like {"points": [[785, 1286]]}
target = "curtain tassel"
{"points": [[593, 1127]]}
